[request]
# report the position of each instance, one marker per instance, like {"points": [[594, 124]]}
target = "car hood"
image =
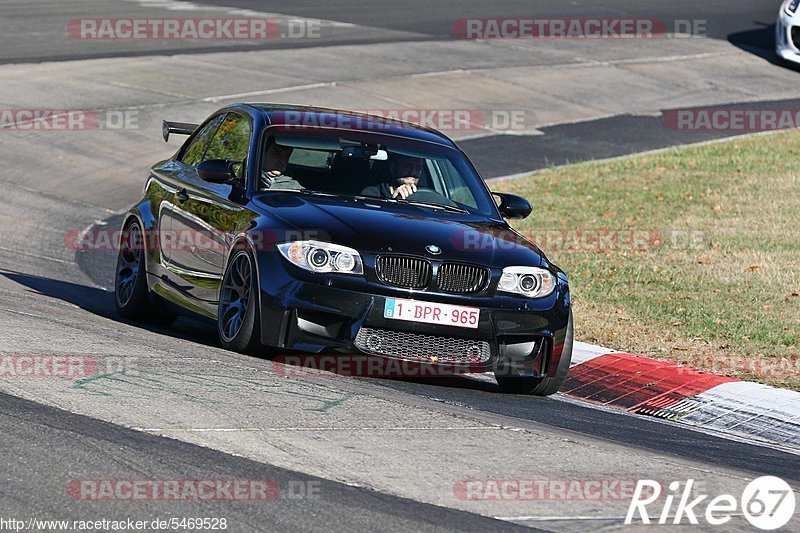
{"points": [[384, 227]]}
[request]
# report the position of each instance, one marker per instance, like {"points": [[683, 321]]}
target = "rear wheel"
{"points": [[132, 297], [238, 316], [516, 384]]}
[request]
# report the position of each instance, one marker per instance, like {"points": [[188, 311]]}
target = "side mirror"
{"points": [[513, 206], [216, 170]]}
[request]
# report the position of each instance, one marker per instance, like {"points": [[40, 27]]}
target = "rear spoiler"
{"points": [[181, 128]]}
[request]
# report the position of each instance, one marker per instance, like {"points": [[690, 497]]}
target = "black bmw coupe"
{"points": [[335, 232]]}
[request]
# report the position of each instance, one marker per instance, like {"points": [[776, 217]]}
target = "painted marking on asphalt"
{"points": [[441, 73], [196, 388], [327, 428], [568, 518], [50, 196], [14, 311], [306, 87], [36, 256], [153, 90], [554, 518]]}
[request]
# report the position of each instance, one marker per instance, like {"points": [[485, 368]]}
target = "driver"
{"points": [[276, 159], [405, 173]]}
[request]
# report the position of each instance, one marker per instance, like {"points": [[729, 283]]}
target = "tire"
{"points": [[131, 295], [542, 386], [238, 323]]}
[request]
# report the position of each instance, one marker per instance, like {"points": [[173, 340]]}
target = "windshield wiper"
{"points": [[312, 192], [451, 208]]}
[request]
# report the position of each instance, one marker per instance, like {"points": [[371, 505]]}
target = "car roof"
{"points": [[294, 115]]}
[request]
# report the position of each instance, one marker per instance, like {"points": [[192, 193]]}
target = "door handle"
{"points": [[182, 196]]}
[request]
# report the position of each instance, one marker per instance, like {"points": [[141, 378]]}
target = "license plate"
{"points": [[432, 313]]}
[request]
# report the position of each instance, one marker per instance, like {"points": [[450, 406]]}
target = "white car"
{"points": [[787, 31]]}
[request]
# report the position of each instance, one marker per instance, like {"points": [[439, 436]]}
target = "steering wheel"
{"points": [[430, 196]]}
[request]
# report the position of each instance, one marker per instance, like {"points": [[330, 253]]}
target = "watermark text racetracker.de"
{"points": [[545, 489], [193, 29], [181, 490], [60, 120], [47, 366], [731, 119], [776, 367], [579, 239], [577, 28], [109, 239], [105, 239], [441, 119], [62, 366], [306, 366]]}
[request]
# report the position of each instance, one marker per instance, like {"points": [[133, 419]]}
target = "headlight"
{"points": [[528, 281], [318, 256], [791, 6]]}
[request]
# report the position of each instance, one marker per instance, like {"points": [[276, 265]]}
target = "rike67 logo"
{"points": [[767, 503]]}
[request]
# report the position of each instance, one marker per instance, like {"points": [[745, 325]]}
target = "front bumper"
{"points": [[340, 314], [787, 36]]}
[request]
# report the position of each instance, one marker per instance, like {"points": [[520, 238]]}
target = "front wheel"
{"points": [[238, 313], [541, 386]]}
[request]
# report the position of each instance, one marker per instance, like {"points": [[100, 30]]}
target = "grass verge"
{"points": [[690, 255]]}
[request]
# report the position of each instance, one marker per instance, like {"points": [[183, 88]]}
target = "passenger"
{"points": [[405, 172]]}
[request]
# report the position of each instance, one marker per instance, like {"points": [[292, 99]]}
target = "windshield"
{"points": [[384, 167]]}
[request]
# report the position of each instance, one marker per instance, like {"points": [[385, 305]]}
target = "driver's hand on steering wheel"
{"points": [[404, 187], [404, 191]]}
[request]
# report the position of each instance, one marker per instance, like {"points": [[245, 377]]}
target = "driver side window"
{"points": [[193, 154], [231, 141]]}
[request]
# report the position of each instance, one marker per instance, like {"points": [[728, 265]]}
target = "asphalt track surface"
{"points": [[596, 139], [485, 396], [36, 33], [58, 438], [54, 301], [724, 18]]}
